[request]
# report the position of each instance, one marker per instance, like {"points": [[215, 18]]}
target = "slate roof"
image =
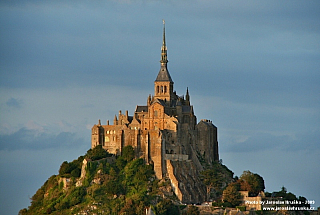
{"points": [[160, 101], [141, 109], [164, 75]]}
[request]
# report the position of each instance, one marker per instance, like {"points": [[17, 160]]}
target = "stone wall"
{"points": [[179, 157], [254, 201]]}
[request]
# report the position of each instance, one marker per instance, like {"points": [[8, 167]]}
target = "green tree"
{"points": [[128, 153], [231, 195], [251, 182], [97, 153], [215, 177], [65, 168]]}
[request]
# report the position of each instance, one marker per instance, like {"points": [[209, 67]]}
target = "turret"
{"points": [[115, 120]]}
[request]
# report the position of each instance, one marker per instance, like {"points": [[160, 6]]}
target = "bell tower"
{"points": [[163, 85]]}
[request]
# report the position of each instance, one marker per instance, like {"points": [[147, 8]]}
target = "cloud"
{"points": [[260, 142], [31, 139], [14, 103]]}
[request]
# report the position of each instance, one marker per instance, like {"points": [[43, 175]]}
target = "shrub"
{"points": [[241, 208], [97, 153]]}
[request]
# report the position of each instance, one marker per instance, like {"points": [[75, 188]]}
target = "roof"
{"points": [[164, 75], [206, 122], [141, 109], [160, 101]]}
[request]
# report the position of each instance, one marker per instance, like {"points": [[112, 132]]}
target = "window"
{"points": [[161, 89], [155, 113], [157, 89], [165, 89]]}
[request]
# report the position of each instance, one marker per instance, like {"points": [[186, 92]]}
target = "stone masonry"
{"points": [[165, 133]]}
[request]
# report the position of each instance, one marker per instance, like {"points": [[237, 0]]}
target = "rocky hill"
{"points": [[100, 183]]}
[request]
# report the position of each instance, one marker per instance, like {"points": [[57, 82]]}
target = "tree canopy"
{"points": [[251, 182]]}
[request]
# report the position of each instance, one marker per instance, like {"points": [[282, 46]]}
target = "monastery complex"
{"points": [[166, 134]]}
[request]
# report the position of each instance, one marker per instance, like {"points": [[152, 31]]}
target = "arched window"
{"points": [[161, 89], [165, 89], [157, 89]]}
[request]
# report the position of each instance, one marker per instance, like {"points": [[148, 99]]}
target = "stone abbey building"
{"points": [[165, 133]]}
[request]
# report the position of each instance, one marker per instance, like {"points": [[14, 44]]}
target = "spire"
{"points": [[163, 74], [115, 120], [164, 59], [187, 95]]}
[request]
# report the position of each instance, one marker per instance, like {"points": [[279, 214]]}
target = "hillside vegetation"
{"points": [[101, 183], [111, 185]]}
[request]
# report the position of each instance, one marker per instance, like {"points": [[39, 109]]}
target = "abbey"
{"points": [[165, 133]]}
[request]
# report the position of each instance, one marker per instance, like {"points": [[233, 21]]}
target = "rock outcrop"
{"points": [[184, 178]]}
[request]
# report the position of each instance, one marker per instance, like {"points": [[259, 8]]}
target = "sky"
{"points": [[252, 67]]}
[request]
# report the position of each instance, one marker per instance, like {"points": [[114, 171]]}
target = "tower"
{"points": [[163, 85]]}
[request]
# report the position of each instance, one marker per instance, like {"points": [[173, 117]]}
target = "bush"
{"points": [[97, 153], [76, 173], [241, 208]]}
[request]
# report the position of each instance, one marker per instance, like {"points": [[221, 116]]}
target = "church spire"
{"points": [[163, 85], [163, 74], [164, 57]]}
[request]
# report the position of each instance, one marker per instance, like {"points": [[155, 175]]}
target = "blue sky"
{"points": [[252, 67]]}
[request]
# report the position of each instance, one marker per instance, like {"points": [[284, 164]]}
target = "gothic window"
{"points": [[161, 89], [157, 89], [107, 139], [165, 89], [155, 113]]}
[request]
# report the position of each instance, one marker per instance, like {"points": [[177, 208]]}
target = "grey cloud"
{"points": [[260, 142], [33, 140], [15, 103]]}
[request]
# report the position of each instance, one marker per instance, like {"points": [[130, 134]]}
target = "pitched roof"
{"points": [[164, 75], [141, 108], [160, 101]]}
